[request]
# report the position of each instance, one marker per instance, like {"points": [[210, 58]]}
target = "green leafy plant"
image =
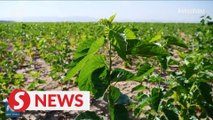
{"points": [[182, 91], [94, 69], [205, 19], [173, 60], [181, 95]]}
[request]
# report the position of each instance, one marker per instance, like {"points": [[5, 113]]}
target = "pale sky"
{"points": [[148, 11]]}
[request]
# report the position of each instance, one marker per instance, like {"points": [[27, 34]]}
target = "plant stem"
{"points": [[111, 111], [110, 59], [110, 105]]}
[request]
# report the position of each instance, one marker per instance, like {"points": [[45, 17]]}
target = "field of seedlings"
{"points": [[134, 71]]}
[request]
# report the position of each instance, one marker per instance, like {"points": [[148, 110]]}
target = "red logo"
{"points": [[19, 100]]}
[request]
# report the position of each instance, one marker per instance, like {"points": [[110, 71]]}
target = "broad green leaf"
{"points": [[170, 114], [139, 88], [142, 97], [208, 17], [88, 115], [106, 31], [105, 22], [190, 70], [171, 40], [32, 86], [155, 38], [137, 111], [96, 45], [115, 94], [81, 51], [94, 76], [143, 100], [156, 78], [118, 41], [147, 50], [130, 34], [156, 97], [143, 71], [123, 99], [131, 43], [117, 110], [120, 112], [100, 79], [112, 18], [83, 48], [119, 74], [73, 71]]}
